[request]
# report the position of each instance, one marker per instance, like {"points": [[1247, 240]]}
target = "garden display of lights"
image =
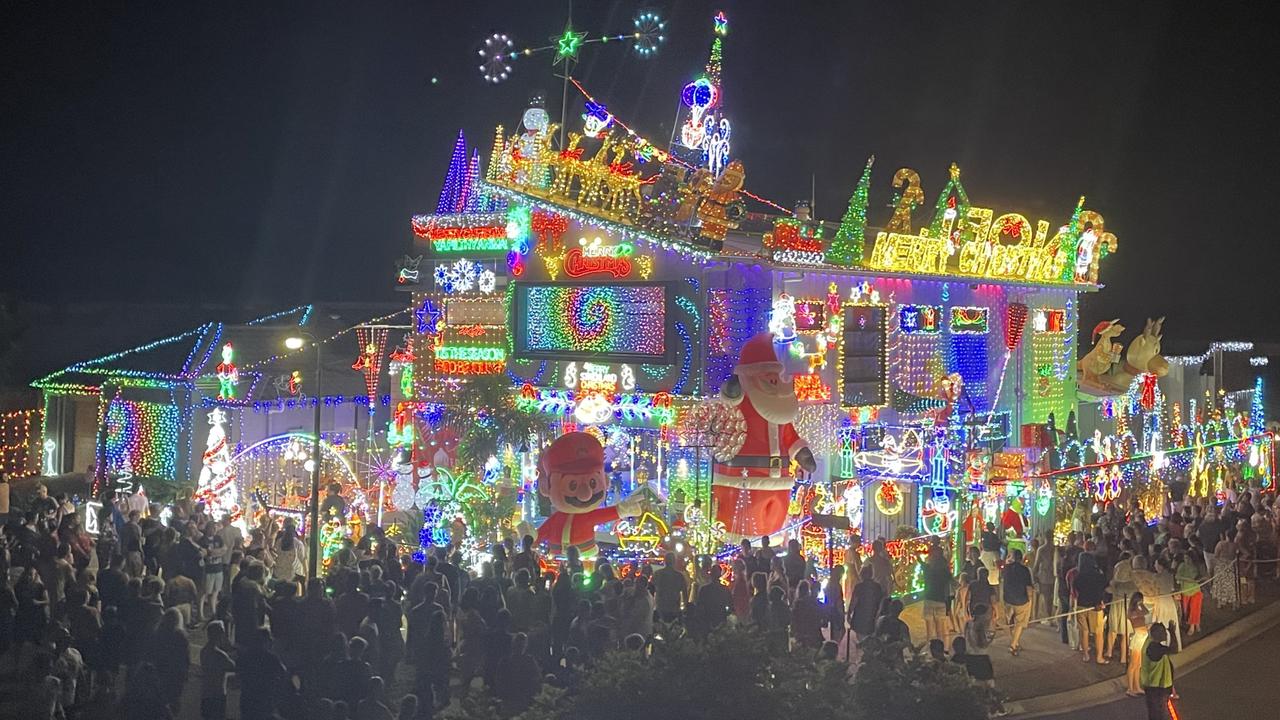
{"points": [[19, 430], [142, 436]]}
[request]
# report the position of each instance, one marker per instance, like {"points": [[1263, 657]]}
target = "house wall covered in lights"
{"points": [[619, 307]]}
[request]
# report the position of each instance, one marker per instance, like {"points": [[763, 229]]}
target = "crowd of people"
{"points": [[94, 622], [1122, 588]]}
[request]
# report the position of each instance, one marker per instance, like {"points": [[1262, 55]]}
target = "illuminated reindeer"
{"points": [[594, 172], [567, 165], [623, 197]]}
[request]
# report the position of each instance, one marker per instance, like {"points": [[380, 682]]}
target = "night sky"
{"points": [[260, 152]]}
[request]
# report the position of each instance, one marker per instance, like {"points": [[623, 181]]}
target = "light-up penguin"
{"points": [[571, 474]]}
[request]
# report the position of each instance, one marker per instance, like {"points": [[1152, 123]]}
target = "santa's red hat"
{"points": [[1097, 329], [757, 357]]}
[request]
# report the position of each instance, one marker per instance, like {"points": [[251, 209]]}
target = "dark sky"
{"points": [[270, 151]]}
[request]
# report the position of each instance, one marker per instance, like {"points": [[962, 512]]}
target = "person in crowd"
{"points": [[473, 630], [1068, 556], [1164, 609], [1223, 569], [864, 605], [1136, 613], [741, 588], [68, 666], [806, 618], [793, 564], [1188, 576], [290, 564], [433, 657], [715, 602], [780, 619], [882, 566], [217, 555], [171, 652], [263, 678], [630, 608], [1155, 673], [497, 643], [215, 665], [992, 544], [373, 705], [833, 607], [409, 708], [1018, 589], [960, 602], [1120, 588], [981, 596], [1089, 585], [1042, 571], [519, 601], [760, 601], [671, 589], [978, 666], [518, 678], [937, 590], [180, 594], [890, 627], [143, 700]]}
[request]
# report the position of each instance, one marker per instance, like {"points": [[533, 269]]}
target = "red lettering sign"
{"points": [[577, 265], [470, 367]]}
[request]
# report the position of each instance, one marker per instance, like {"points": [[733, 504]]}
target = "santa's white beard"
{"points": [[775, 403]]}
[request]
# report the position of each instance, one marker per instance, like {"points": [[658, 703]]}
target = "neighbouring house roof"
{"points": [[190, 357]]}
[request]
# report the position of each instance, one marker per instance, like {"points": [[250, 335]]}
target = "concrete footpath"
{"points": [[1198, 654], [1048, 677]]}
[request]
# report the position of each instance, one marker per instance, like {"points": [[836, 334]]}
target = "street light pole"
{"points": [[313, 557], [313, 514]]}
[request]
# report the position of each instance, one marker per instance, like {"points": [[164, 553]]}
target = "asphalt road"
{"points": [[1238, 685]]}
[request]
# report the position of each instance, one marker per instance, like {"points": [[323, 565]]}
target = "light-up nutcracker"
{"points": [[753, 488], [571, 474]]}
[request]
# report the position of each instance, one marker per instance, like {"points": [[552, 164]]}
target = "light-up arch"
{"points": [[334, 467]]}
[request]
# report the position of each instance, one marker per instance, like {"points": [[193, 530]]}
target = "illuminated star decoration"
{"points": [[427, 318], [568, 45], [722, 23]]}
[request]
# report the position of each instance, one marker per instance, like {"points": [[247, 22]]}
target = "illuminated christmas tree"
{"points": [[846, 248], [217, 487], [950, 210], [453, 195], [1069, 243]]}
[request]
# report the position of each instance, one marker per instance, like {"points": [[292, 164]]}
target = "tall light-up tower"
{"points": [[703, 137]]}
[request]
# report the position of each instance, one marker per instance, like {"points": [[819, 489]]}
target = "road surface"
{"points": [[1238, 685]]}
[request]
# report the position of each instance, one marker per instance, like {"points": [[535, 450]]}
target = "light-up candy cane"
{"points": [[1015, 316]]}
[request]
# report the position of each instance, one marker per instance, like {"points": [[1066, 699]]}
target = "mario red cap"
{"points": [[574, 452], [758, 356]]}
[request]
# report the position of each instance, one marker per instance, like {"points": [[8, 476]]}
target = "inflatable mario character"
{"points": [[752, 488], [571, 474]]}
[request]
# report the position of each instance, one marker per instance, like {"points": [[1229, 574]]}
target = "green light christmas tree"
{"points": [[846, 248]]}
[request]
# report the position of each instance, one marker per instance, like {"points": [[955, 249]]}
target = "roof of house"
{"points": [[191, 357]]}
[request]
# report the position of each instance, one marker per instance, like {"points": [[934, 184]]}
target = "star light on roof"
{"points": [[722, 23], [568, 44]]}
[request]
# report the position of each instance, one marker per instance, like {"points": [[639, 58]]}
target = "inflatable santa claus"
{"points": [[752, 487], [571, 474]]}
